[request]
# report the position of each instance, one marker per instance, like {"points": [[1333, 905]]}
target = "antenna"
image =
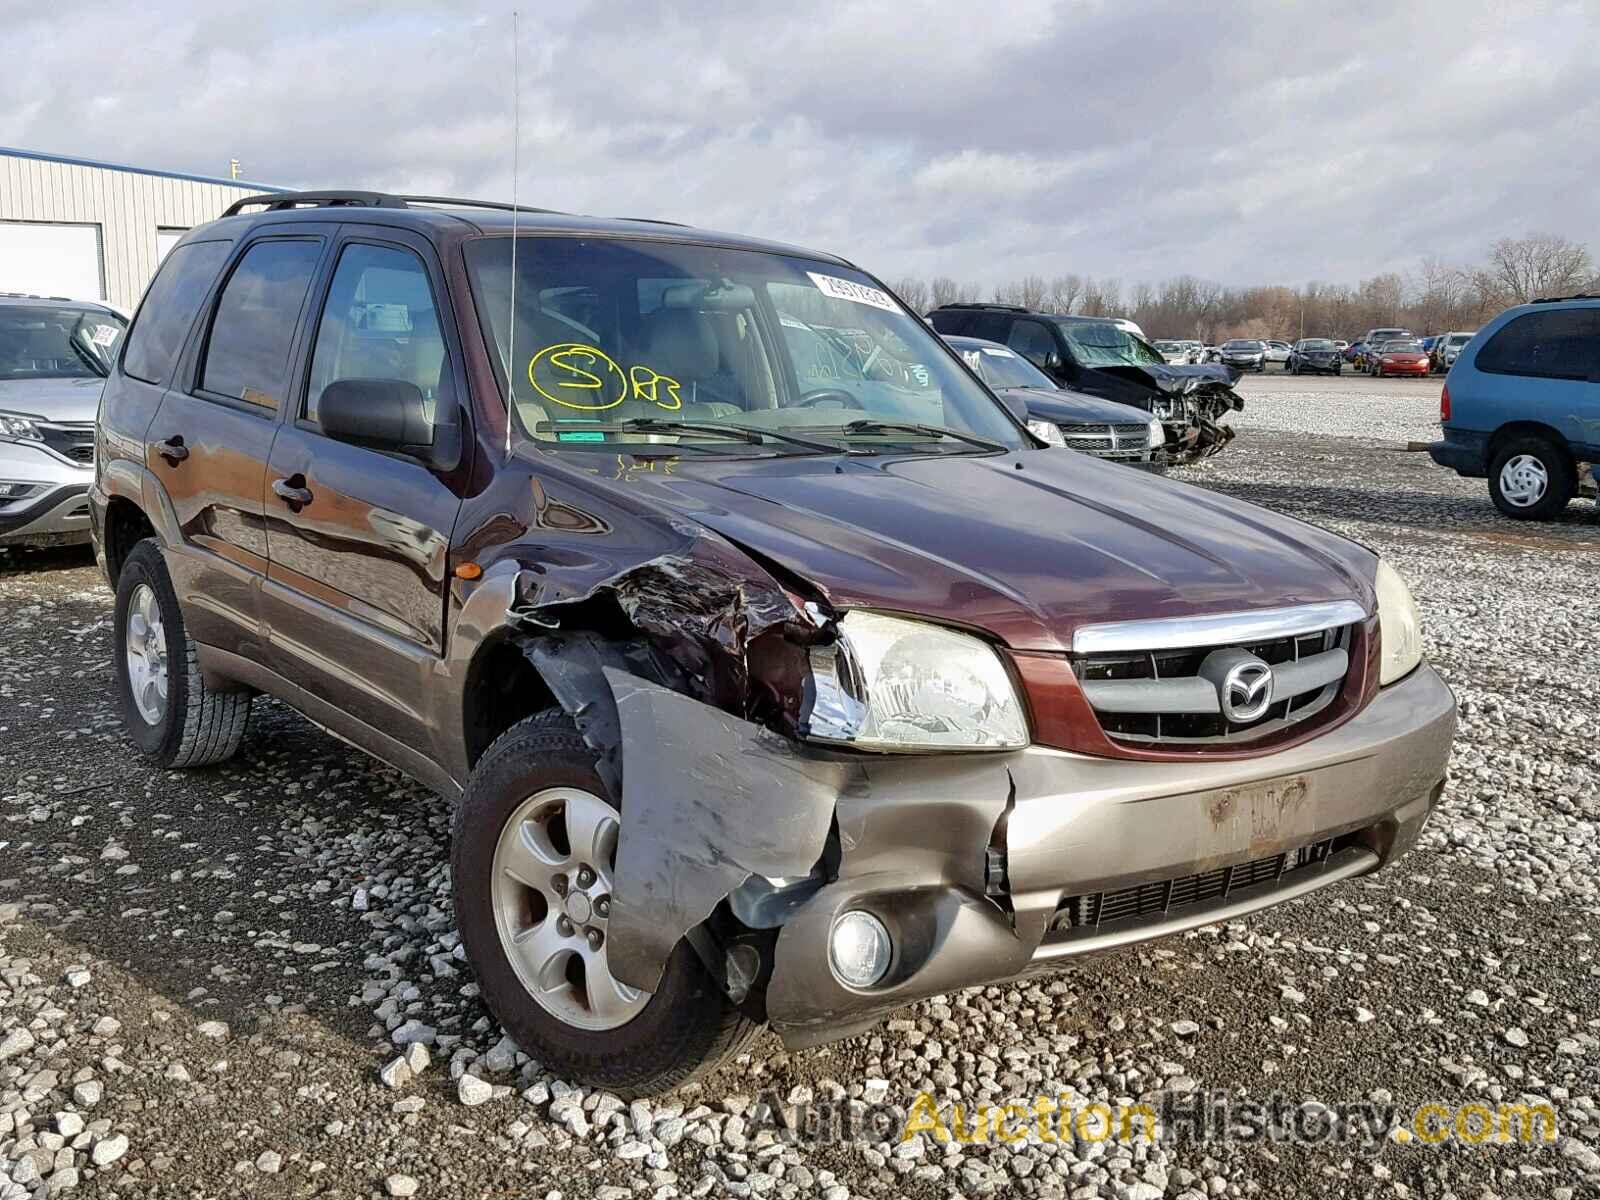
{"points": [[516, 170]]}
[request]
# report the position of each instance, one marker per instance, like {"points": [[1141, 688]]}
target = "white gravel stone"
{"points": [[108, 1150], [400, 1185], [473, 1091], [269, 1162], [18, 1041], [216, 1030]]}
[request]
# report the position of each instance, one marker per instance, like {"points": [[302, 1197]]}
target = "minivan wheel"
{"points": [[171, 714], [533, 858], [1530, 479]]}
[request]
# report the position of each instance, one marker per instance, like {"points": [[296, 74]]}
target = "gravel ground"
{"points": [[246, 980]]}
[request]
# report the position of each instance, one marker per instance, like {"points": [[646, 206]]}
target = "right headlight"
{"points": [[893, 684], [1400, 626], [14, 425], [1157, 437], [1046, 431]]}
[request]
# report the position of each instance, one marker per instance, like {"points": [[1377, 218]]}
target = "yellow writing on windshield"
{"points": [[648, 385], [577, 376], [588, 379]]}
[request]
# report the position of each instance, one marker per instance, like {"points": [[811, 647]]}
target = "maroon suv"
{"points": [[777, 674]]}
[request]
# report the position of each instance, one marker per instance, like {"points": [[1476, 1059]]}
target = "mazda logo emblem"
{"points": [[1245, 692]]}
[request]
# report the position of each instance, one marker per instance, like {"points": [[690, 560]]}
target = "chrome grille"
{"points": [[1160, 683], [1108, 441]]}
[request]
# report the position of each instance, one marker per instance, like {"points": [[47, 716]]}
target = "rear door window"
{"points": [[1562, 343], [247, 356], [169, 309]]}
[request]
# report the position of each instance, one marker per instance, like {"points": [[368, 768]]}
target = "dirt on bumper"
{"points": [[1067, 826]]}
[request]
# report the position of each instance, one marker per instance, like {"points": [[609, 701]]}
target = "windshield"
{"points": [[1401, 346], [1315, 344], [1460, 339], [1167, 347], [57, 343], [610, 332], [1237, 345], [1002, 368], [1102, 344]]}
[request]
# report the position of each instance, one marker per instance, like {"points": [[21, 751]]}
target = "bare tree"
{"points": [[944, 290], [1542, 264], [914, 292], [1065, 291]]}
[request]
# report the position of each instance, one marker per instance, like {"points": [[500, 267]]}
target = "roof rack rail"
{"points": [[652, 221], [1574, 296], [284, 201], [986, 304]]}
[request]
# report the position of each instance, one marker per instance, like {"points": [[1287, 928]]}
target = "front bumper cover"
{"points": [[58, 514], [967, 858]]}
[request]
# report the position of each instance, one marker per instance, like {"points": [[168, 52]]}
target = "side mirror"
{"points": [[1052, 362], [1015, 406], [380, 414]]}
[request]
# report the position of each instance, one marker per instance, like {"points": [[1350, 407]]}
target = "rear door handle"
{"points": [[292, 491], [173, 450]]}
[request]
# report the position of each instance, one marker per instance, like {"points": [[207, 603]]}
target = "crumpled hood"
{"points": [[1062, 407], [1025, 545], [66, 400]]}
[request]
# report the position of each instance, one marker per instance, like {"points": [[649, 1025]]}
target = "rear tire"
{"points": [[686, 1027], [1531, 478], [171, 714]]}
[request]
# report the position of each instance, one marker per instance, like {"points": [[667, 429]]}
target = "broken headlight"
{"points": [[893, 684]]}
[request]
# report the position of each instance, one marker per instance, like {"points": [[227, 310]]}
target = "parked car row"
{"points": [[1098, 356]]}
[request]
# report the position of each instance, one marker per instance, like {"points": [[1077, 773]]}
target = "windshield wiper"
{"points": [[869, 425], [743, 433]]}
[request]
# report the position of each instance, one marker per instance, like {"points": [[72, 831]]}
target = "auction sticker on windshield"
{"points": [[843, 289]]}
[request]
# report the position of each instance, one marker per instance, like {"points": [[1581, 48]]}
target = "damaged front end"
{"points": [[1189, 401], [744, 790]]}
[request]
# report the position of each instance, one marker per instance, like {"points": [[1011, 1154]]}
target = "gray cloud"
{"points": [[1267, 143]]}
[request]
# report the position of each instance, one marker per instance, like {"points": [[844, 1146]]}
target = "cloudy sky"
{"points": [[1255, 143]]}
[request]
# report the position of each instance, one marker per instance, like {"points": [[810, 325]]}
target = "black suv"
{"points": [[1098, 356]]}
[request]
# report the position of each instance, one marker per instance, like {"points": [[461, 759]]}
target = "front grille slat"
{"points": [[74, 441], [1158, 696], [1146, 901]]}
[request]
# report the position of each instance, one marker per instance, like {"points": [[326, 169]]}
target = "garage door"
{"points": [[51, 260]]}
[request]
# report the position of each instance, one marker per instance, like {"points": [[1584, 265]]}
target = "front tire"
{"points": [[533, 851], [1531, 479], [170, 712]]}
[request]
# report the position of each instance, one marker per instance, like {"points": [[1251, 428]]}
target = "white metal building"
{"points": [[93, 230]]}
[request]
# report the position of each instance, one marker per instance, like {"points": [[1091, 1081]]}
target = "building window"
{"points": [[167, 236]]}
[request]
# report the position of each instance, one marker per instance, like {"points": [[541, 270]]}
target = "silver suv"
{"points": [[54, 355]]}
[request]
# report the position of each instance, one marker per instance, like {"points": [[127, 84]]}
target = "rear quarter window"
{"points": [[169, 308], [1562, 343]]}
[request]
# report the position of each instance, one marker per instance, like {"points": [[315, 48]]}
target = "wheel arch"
{"points": [[1539, 429]]}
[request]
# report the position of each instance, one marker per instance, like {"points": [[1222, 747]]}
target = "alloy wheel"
{"points": [[146, 648], [552, 893]]}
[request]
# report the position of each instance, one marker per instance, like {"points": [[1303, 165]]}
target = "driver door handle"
{"points": [[292, 491], [173, 450]]}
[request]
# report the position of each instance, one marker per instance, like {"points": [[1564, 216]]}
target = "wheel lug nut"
{"points": [[595, 939], [564, 927], [559, 885], [585, 877], [602, 906]]}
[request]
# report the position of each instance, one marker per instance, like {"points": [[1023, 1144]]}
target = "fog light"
{"points": [[859, 949]]}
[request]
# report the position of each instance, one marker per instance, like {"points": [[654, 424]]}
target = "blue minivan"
{"points": [[1521, 405]]}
